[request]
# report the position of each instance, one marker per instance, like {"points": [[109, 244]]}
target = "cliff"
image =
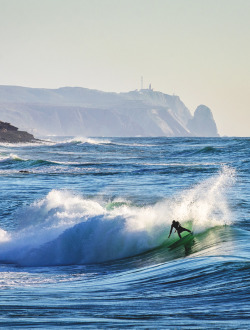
{"points": [[81, 111]]}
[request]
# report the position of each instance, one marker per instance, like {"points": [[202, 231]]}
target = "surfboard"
{"points": [[182, 241]]}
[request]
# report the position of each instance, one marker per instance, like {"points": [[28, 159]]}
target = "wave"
{"points": [[209, 150], [98, 141], [41, 162], [65, 228], [13, 159], [54, 142], [37, 143], [205, 150], [10, 158], [82, 140]]}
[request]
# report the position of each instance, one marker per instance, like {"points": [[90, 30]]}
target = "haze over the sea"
{"points": [[196, 49]]}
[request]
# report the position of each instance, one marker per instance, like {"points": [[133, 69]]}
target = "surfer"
{"points": [[177, 226]]}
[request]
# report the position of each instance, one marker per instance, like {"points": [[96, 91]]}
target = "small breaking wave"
{"points": [[10, 158], [83, 140], [13, 159]]}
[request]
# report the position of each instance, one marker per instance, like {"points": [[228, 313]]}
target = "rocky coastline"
{"points": [[11, 134]]}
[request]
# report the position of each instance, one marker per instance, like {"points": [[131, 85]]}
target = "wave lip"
{"points": [[10, 158]]}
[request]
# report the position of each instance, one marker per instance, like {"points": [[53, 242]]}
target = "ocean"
{"points": [[84, 225]]}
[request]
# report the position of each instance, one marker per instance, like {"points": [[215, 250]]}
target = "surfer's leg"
{"points": [[184, 229], [179, 233]]}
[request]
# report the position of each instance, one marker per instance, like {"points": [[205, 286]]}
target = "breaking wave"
{"points": [[66, 228], [9, 158], [83, 140]]}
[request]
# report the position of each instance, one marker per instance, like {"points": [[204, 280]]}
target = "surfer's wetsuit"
{"points": [[176, 225]]}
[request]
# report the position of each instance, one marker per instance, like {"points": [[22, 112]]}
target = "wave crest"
{"points": [[84, 140]]}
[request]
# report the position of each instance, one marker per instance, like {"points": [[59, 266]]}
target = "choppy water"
{"points": [[84, 226]]}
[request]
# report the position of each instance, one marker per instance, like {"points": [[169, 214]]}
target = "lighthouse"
{"points": [[146, 89]]}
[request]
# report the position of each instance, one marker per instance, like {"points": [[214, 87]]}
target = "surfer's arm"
{"points": [[170, 231]]}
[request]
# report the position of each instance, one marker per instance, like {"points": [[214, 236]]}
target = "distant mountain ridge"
{"points": [[82, 111]]}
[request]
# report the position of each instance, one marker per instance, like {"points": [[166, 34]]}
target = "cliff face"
{"points": [[10, 134], [80, 111]]}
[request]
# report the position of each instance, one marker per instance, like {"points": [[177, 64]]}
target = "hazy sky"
{"points": [[197, 49]]}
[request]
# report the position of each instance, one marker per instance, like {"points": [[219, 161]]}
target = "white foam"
{"points": [[13, 279], [4, 236], [206, 204]]}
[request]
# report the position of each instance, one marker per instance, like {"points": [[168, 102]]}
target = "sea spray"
{"points": [[206, 205], [4, 236]]}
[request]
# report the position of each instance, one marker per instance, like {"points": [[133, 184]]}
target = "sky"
{"points": [[196, 49]]}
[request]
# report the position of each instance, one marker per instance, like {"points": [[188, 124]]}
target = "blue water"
{"points": [[84, 225]]}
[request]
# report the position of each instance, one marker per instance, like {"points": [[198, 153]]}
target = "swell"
{"points": [[207, 150], [102, 169]]}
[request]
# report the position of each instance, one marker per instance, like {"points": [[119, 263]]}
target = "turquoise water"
{"points": [[84, 225]]}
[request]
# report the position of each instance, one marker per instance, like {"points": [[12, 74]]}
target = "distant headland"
{"points": [[11, 134], [87, 112]]}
